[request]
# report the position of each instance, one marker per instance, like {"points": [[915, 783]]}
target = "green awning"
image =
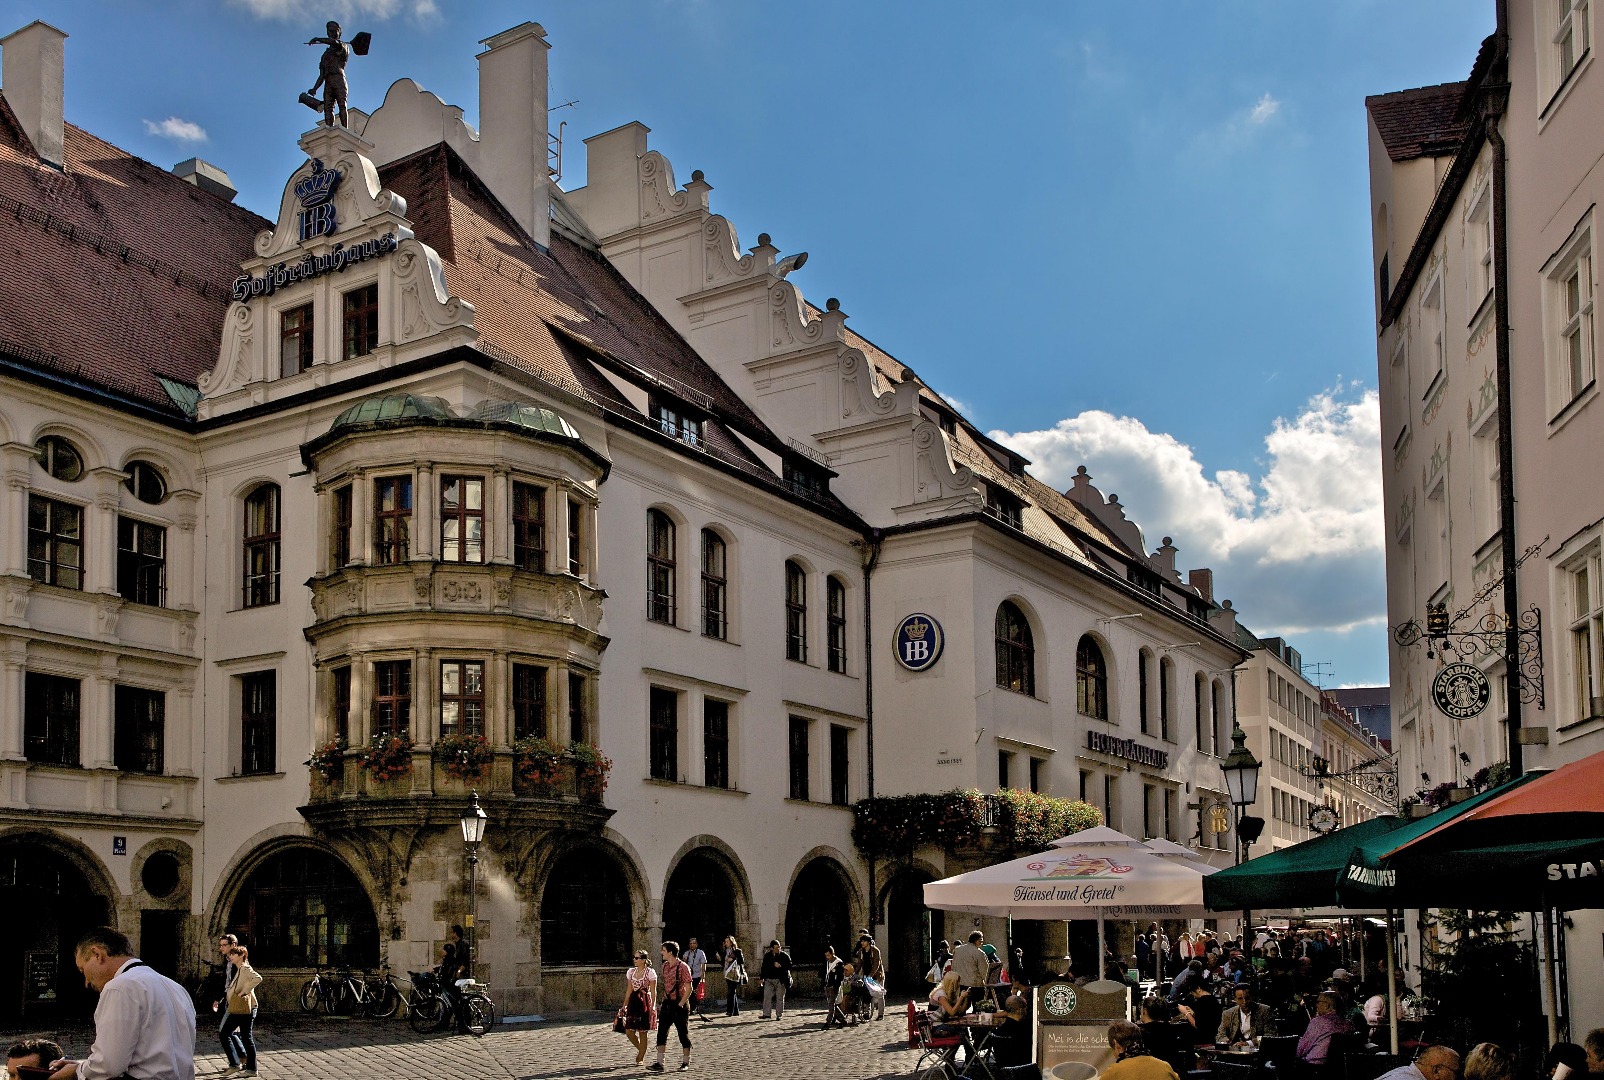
{"points": [[1301, 876]]}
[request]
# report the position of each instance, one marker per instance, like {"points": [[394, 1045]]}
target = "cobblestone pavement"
{"points": [[573, 1045]]}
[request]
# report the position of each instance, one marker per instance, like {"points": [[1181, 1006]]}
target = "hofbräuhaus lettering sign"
{"points": [[1129, 749]]}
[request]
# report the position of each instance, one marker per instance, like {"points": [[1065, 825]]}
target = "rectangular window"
{"points": [[1111, 814], [462, 519], [836, 624], [664, 734], [1434, 326], [1149, 793], [1576, 328], [1164, 672], [1035, 774], [340, 538], [576, 707], [392, 519], [715, 743], [715, 586], [529, 527], [1571, 35], [1586, 611], [576, 558], [295, 341], [258, 723], [796, 613], [392, 698], [361, 321], [1005, 767], [807, 482], [50, 719], [672, 421], [1005, 506], [341, 703], [661, 567], [55, 542], [139, 720], [141, 562], [799, 732], [462, 697], [528, 701], [1169, 814], [840, 764], [1085, 785]]}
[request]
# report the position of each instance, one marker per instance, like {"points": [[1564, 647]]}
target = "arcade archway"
{"points": [[911, 930], [300, 907], [819, 912], [37, 976], [699, 900]]}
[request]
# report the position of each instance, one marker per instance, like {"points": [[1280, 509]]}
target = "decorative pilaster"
{"points": [[181, 551], [425, 512]]}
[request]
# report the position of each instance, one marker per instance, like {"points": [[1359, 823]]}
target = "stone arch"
{"points": [[822, 905], [254, 904], [66, 889], [182, 889], [180, 477], [602, 936], [7, 428], [695, 903], [911, 928]]}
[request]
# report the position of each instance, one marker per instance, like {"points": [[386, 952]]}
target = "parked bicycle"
{"points": [[432, 1005], [322, 990]]}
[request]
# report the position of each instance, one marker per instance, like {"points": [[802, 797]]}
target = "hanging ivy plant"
{"points": [[899, 824]]}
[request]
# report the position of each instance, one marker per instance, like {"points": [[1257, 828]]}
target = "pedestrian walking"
{"points": [[239, 1015], [234, 1049], [871, 966], [696, 960], [144, 1023], [775, 971], [673, 1007], [639, 1010], [734, 976]]}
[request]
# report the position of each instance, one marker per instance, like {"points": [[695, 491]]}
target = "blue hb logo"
{"points": [[919, 642], [316, 193]]}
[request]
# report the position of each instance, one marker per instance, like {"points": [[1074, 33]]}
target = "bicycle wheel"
{"points": [[426, 1015], [340, 1001], [385, 1001], [310, 993], [478, 1014]]}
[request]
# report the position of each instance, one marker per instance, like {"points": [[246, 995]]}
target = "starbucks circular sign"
{"points": [[1461, 691], [1058, 999]]}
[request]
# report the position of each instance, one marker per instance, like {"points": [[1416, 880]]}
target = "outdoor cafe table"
{"points": [[975, 1046]]}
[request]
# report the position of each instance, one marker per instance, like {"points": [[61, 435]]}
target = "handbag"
{"points": [[618, 1022]]}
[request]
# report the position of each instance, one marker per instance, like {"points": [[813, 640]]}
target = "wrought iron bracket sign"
{"points": [[1486, 638], [1378, 777]]}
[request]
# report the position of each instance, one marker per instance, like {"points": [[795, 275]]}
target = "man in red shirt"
{"points": [[673, 1006]]}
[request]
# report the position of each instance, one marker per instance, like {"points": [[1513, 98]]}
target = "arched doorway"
{"points": [[585, 916], [37, 977], [911, 930], [699, 901], [302, 908], [818, 913]]}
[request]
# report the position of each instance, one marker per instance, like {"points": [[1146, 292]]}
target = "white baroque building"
{"points": [[440, 457]]}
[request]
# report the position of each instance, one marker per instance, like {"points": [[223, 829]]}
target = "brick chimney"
{"points": [[512, 125], [32, 74], [1203, 582]]}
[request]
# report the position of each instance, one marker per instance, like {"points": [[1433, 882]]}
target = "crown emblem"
{"points": [[916, 629], [318, 188]]}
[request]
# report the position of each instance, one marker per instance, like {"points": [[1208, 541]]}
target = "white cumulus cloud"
{"points": [[340, 11], [1266, 108], [1297, 548], [176, 128]]}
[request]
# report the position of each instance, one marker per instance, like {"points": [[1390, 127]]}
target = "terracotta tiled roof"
{"points": [[116, 270], [1424, 122]]}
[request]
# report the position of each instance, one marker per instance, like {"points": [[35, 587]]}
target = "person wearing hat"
{"points": [[871, 965]]}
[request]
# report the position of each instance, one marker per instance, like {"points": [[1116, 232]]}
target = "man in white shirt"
{"points": [[144, 1023], [1432, 1063], [970, 963], [696, 960]]}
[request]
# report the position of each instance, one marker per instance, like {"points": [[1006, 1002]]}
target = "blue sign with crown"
{"points": [[316, 193], [919, 642]]}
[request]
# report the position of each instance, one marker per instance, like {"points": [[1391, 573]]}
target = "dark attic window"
{"points": [[803, 480], [1143, 579], [673, 421], [1005, 506]]}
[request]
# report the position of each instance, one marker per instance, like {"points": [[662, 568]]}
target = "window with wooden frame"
{"points": [[340, 703], [392, 519], [836, 623], [139, 722], [529, 526], [50, 719], [578, 709], [1016, 650], [340, 529], [55, 542], [392, 698], [262, 546], [663, 734], [295, 340], [715, 586], [360, 321], [462, 697], [462, 519], [1091, 680], [715, 743], [661, 567], [799, 733], [258, 723], [529, 701], [141, 562], [796, 612]]}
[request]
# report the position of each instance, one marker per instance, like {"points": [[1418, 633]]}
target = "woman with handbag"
{"points": [[241, 1016], [734, 976], [637, 1016]]}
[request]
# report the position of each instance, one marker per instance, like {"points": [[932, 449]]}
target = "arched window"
{"points": [[261, 534], [59, 458], [303, 908], [1166, 684], [1199, 704], [715, 585], [585, 915], [1091, 680], [1221, 712], [837, 618], [145, 482], [1016, 650], [796, 613], [1144, 690], [660, 567]]}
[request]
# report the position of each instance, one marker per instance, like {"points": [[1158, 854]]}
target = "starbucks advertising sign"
{"points": [[1461, 691]]}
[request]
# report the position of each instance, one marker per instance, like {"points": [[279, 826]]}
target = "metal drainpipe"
{"points": [[871, 556], [1493, 104]]}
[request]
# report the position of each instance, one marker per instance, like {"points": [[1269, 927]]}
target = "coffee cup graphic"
{"points": [[1074, 1070]]}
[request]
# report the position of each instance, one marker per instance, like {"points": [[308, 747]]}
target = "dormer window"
{"points": [[1143, 579], [1005, 506], [803, 480], [673, 421], [295, 341]]}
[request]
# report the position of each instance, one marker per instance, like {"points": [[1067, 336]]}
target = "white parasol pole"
{"points": [[1548, 976], [1102, 984], [1392, 985]]}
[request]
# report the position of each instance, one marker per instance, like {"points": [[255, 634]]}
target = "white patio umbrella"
{"points": [[1090, 874]]}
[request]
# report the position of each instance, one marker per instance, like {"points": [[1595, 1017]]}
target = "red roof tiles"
{"points": [[1423, 122]]}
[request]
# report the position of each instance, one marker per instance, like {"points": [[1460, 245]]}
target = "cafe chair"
{"points": [[936, 1053], [1279, 1053]]}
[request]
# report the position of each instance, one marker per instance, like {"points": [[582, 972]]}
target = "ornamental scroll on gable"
{"points": [[337, 231]]}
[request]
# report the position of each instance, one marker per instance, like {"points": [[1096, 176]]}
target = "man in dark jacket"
{"points": [[775, 971]]}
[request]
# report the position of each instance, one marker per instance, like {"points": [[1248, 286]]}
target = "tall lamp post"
{"points": [[473, 831], [1241, 771]]}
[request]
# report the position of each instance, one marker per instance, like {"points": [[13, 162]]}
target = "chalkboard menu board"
{"points": [[39, 976]]}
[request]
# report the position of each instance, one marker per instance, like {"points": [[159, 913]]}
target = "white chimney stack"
{"points": [[512, 125], [32, 74]]}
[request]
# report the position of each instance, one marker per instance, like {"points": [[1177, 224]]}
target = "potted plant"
{"points": [[388, 757], [463, 757], [538, 765], [328, 761], [590, 767]]}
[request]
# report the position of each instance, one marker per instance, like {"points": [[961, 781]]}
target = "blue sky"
{"points": [[1127, 236]]}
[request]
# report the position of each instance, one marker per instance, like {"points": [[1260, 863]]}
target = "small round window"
{"points": [[60, 458], [146, 482], [159, 875]]}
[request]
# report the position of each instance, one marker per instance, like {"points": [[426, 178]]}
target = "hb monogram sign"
{"points": [[316, 194], [919, 642]]}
